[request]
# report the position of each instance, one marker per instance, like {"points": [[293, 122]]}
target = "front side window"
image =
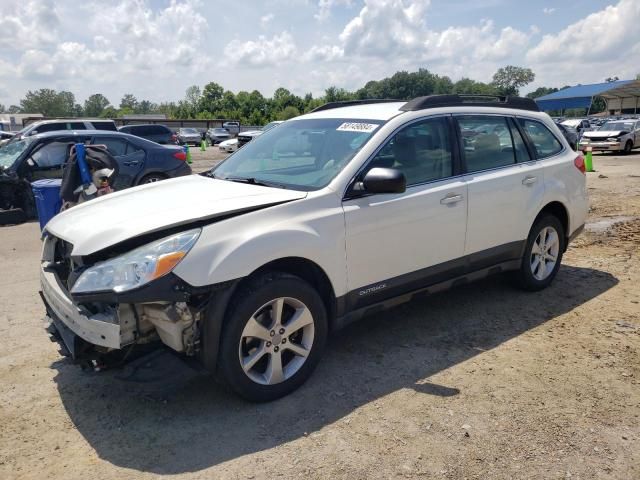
{"points": [[422, 151], [300, 154], [53, 154], [487, 141], [544, 142]]}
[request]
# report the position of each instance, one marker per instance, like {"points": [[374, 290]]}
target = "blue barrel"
{"points": [[48, 202]]}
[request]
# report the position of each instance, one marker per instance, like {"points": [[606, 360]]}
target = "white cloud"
{"points": [[265, 20], [325, 7], [600, 36], [397, 29], [262, 52], [548, 10], [31, 24]]}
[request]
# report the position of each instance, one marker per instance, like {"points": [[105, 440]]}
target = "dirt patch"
{"points": [[483, 381]]}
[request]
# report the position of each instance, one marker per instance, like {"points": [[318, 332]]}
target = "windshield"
{"points": [[188, 130], [300, 154], [270, 125], [614, 126], [219, 130], [11, 151]]}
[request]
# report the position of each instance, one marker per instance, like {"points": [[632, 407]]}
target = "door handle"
{"points": [[529, 180], [451, 199]]}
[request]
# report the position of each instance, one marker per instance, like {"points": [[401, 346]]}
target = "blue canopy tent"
{"points": [[619, 95]]}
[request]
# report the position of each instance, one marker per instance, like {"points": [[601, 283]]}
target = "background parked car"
{"points": [[217, 135], [229, 146], [570, 134], [156, 133], [232, 127], [55, 125], [43, 156], [246, 137], [615, 135], [579, 124], [188, 136]]}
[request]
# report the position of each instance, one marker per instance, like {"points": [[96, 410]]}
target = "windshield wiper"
{"points": [[252, 181]]}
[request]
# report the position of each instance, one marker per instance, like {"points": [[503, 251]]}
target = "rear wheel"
{"points": [[273, 338], [151, 178], [543, 254]]}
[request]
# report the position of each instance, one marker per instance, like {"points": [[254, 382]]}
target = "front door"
{"points": [[402, 242]]}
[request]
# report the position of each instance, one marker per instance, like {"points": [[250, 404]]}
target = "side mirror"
{"points": [[384, 180]]}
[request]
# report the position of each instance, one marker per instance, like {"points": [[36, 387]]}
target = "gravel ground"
{"points": [[483, 381]]}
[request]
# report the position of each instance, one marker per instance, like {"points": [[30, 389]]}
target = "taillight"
{"points": [[181, 155], [579, 163]]}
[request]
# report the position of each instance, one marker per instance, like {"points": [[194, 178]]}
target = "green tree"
{"points": [[94, 105], [508, 80], [211, 97], [541, 91], [13, 109], [129, 102], [335, 94], [192, 99], [109, 112], [146, 106], [471, 87], [288, 112], [49, 103]]}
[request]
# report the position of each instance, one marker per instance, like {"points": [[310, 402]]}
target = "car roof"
{"points": [[93, 133], [371, 111]]}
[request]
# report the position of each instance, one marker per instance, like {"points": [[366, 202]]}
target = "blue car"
{"points": [[43, 156]]}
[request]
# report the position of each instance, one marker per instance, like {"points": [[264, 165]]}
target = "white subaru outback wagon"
{"points": [[334, 214]]}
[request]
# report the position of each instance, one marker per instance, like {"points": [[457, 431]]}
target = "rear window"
{"points": [[544, 142]]}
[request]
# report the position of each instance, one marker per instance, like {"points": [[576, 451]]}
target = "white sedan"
{"points": [[229, 146]]}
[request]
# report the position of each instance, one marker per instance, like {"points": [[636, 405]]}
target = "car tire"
{"points": [[628, 147], [152, 178], [290, 321], [544, 244]]}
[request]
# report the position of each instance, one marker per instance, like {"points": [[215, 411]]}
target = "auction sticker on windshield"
{"points": [[357, 127]]}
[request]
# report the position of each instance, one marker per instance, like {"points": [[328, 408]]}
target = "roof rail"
{"points": [[435, 101], [348, 103]]}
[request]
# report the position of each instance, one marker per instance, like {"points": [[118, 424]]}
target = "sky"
{"points": [[155, 49]]}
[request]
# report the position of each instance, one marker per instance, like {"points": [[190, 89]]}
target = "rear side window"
{"points": [[105, 126], [51, 127], [116, 146], [544, 142], [487, 141], [77, 126]]}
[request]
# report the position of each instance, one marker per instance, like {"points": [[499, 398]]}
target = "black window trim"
{"points": [[461, 144], [457, 172], [528, 140]]}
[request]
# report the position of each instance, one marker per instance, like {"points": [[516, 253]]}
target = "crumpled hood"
{"points": [[106, 221], [602, 134]]}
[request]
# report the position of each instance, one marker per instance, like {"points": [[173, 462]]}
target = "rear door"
{"points": [[505, 185], [131, 159]]}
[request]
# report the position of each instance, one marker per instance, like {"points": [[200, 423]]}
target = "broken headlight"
{"points": [[137, 267]]}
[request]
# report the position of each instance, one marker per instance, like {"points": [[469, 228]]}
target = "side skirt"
{"points": [[386, 294]]}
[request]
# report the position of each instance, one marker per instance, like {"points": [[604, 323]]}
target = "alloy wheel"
{"points": [[544, 253], [276, 341]]}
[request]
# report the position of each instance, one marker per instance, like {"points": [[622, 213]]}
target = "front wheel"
{"points": [[627, 147], [273, 338], [542, 255]]}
